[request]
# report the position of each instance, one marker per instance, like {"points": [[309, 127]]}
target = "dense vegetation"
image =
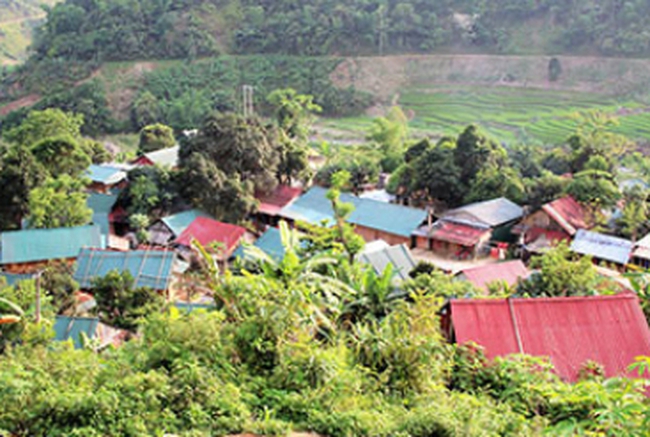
{"points": [[307, 342], [137, 29]]}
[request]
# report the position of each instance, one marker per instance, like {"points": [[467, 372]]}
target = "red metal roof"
{"points": [[207, 231], [457, 233], [568, 213], [273, 202], [610, 330], [509, 271]]}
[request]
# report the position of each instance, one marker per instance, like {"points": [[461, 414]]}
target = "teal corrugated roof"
{"points": [[13, 279], [188, 307], [149, 268], [270, 242], [177, 223], [32, 245], [66, 328], [101, 205], [314, 207], [105, 174]]}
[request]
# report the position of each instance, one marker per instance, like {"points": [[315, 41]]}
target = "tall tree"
{"points": [[58, 203], [155, 137], [19, 174], [62, 156]]}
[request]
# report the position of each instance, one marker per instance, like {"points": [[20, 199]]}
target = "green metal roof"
{"points": [[149, 268], [177, 223], [102, 205], [66, 328], [32, 245], [314, 207], [269, 242]]}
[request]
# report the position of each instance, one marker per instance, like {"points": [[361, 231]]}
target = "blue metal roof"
{"points": [[188, 307], [149, 268], [101, 205], [270, 242], [32, 245], [177, 223], [105, 174], [600, 246], [12, 279], [66, 328], [314, 207]]}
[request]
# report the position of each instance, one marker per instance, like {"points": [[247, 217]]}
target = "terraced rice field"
{"points": [[510, 114]]}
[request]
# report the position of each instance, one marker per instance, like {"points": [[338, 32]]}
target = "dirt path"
{"points": [[18, 104]]}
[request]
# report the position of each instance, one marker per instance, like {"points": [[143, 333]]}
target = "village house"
{"points": [[106, 178], [603, 248], [508, 272], [570, 331], [155, 269], [166, 158], [466, 231], [641, 253], [380, 255], [76, 328], [270, 242], [29, 250], [104, 215], [372, 220], [270, 204], [208, 232], [162, 232], [554, 222]]}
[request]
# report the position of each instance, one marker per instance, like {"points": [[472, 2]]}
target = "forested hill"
{"points": [[103, 30]]}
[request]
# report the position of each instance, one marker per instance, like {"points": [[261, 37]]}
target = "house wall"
{"points": [[445, 248], [542, 220], [30, 268], [369, 235]]}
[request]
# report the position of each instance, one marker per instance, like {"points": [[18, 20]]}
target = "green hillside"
{"points": [[18, 18]]}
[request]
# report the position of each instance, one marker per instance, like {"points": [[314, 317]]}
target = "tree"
{"points": [[20, 173], [554, 69], [62, 156], [58, 283], [595, 186], [153, 191], [121, 304], [207, 187], [473, 151], [155, 137], [544, 189], [40, 125], [58, 203], [389, 134], [145, 110], [352, 242], [236, 146], [436, 174], [560, 275], [493, 182]]}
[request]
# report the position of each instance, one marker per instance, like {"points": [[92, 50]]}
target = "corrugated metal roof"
{"points": [[493, 213], [34, 245], [272, 203], [101, 205], [13, 278], [399, 256], [188, 307], [600, 246], [177, 223], [66, 328], [149, 268], [509, 271], [610, 330], [270, 242], [568, 213], [207, 231], [314, 207], [164, 157], [457, 233], [105, 174]]}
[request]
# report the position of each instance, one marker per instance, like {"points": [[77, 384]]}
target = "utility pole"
{"points": [[247, 94]]}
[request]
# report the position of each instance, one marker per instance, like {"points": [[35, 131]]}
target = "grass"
{"points": [[127, 143], [510, 114]]}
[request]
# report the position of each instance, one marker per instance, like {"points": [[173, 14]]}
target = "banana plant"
{"points": [[16, 314]]}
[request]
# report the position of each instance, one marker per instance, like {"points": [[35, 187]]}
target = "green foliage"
{"points": [[155, 137], [152, 192], [61, 156], [121, 304], [40, 125], [59, 202], [560, 275]]}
